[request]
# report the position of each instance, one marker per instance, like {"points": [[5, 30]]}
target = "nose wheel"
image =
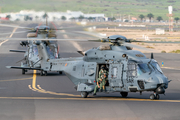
{"points": [[154, 96]]}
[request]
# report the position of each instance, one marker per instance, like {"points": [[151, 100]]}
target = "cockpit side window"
{"points": [[131, 70], [143, 68], [50, 52]]}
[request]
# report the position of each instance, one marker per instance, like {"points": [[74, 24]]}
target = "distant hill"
{"points": [[110, 8]]}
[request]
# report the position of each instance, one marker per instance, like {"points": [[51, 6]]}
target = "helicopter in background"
{"points": [[31, 60], [129, 70]]}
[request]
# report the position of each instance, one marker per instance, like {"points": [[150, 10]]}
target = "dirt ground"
{"points": [[138, 35]]}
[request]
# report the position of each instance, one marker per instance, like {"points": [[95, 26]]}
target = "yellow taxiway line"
{"points": [[39, 89], [99, 99]]}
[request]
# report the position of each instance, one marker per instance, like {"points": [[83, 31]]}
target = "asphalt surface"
{"points": [[53, 97]]}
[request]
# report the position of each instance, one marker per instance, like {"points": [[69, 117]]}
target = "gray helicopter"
{"points": [[31, 60], [129, 70]]}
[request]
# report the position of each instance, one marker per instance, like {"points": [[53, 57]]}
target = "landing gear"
{"points": [[60, 72], [154, 96], [43, 73], [84, 94], [23, 71], [157, 96], [124, 94]]}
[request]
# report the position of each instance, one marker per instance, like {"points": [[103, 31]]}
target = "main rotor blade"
{"points": [[72, 33], [138, 47], [64, 28], [36, 39], [155, 41], [97, 35], [14, 32], [14, 26]]}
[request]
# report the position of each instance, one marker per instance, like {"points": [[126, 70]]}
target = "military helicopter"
{"points": [[129, 70], [31, 60]]}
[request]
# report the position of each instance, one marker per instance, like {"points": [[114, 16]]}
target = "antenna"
{"points": [[152, 57], [46, 21]]}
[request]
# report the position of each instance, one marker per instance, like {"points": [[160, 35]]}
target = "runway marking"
{"points": [[39, 89], [9, 36], [170, 68], [99, 99], [77, 97], [15, 79]]}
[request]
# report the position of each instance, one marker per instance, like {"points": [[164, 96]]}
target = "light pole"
{"points": [[170, 15]]}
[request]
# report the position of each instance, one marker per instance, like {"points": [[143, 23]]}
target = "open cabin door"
{"points": [[115, 75]]}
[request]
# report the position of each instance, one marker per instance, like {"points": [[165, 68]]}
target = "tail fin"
{"points": [[43, 55]]}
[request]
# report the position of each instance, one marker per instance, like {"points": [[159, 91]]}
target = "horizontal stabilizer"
{"points": [[20, 51], [27, 68]]}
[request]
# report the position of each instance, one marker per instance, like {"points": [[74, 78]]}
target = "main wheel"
{"points": [[45, 73], [157, 96], [124, 94], [41, 73], [152, 96], [84, 94], [23, 71]]}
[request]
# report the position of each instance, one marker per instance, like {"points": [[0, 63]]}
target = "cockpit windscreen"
{"points": [[143, 68]]}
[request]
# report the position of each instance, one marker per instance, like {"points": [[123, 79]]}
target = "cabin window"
{"points": [[114, 72], [131, 70], [90, 71]]}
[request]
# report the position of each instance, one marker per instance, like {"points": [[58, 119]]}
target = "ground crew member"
{"points": [[101, 82], [101, 71], [99, 85], [104, 77], [104, 80]]}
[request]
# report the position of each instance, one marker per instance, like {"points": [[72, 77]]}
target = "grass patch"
{"points": [[175, 51], [149, 47], [163, 51]]}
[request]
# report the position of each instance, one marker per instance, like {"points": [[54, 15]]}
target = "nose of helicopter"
{"points": [[162, 84], [161, 79], [158, 82]]}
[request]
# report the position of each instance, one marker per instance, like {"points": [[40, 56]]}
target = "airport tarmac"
{"points": [[53, 97]]}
